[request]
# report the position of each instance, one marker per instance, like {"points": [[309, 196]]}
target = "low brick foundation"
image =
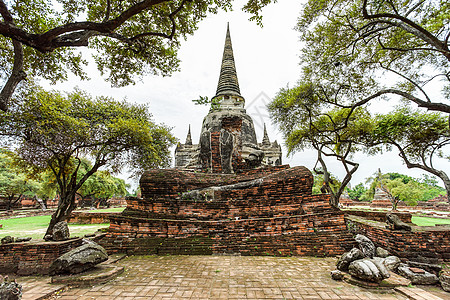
{"points": [[19, 213], [80, 217], [292, 235], [379, 216], [422, 244], [33, 257]]}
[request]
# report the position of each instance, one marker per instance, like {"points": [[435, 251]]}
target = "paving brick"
{"points": [[275, 278]]}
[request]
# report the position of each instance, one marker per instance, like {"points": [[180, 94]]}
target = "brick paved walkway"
{"points": [[226, 277], [37, 287]]}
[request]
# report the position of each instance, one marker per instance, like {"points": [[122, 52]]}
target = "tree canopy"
{"points": [[418, 136], [401, 187], [128, 38], [356, 51], [54, 132], [100, 187]]}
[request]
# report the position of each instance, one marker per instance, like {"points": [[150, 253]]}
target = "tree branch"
{"points": [[17, 73], [421, 103], [409, 26], [77, 33]]}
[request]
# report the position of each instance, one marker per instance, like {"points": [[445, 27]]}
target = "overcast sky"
{"points": [[266, 60]]}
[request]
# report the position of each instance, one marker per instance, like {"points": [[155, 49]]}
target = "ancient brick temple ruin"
{"points": [[229, 194]]}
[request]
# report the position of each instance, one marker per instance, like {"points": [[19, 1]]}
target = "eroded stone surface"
{"points": [[381, 252], [337, 275], [348, 257], [395, 222], [79, 259], [366, 245], [392, 262], [10, 290], [444, 279], [60, 231], [417, 278], [368, 269], [7, 240]]}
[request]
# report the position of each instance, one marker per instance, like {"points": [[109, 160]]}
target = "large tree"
{"points": [[129, 38], [55, 132], [357, 51], [335, 133]]}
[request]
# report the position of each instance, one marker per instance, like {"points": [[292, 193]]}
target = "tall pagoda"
{"points": [[228, 140]]}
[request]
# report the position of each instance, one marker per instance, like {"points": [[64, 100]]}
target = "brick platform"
{"points": [[274, 215]]}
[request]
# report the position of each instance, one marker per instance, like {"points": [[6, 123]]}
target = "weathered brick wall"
{"points": [[79, 217], [423, 244], [33, 257], [170, 183], [277, 216], [379, 216], [313, 234], [287, 192]]}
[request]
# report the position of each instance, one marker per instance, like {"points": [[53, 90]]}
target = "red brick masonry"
{"points": [[33, 257], [80, 217], [276, 215], [422, 244]]}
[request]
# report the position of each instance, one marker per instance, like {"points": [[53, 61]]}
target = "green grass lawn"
{"points": [[427, 221], [114, 209], [35, 227]]}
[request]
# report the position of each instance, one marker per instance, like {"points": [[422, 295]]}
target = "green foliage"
{"points": [[128, 38], [51, 128], [403, 187], [358, 51], [410, 192], [13, 182], [102, 186], [204, 100], [308, 123], [335, 183], [358, 193], [420, 134]]}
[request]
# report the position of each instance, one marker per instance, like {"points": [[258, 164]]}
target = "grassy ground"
{"points": [[35, 227], [427, 221]]}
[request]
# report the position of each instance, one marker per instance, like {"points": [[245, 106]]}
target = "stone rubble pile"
{"points": [[368, 263]]}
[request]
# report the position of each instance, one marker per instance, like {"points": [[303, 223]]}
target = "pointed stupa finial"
{"points": [[265, 141], [228, 81], [189, 138]]}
